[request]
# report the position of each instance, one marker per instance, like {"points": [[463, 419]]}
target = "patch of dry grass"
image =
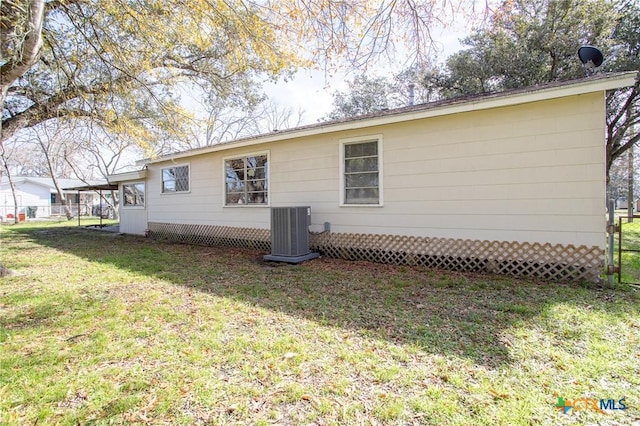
{"points": [[101, 328]]}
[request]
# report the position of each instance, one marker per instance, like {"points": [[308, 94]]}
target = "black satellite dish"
{"points": [[591, 58]]}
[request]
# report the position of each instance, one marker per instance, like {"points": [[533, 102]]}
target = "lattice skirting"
{"points": [[549, 261], [207, 235]]}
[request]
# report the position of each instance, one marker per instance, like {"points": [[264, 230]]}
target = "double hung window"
{"points": [[361, 172]]}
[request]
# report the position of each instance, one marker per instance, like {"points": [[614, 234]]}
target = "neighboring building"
{"points": [[511, 183], [37, 197]]}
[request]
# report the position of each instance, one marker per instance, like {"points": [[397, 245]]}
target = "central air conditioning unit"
{"points": [[290, 235]]}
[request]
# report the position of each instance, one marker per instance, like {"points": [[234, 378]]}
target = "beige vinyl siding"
{"points": [[494, 175], [532, 172], [133, 219], [203, 204]]}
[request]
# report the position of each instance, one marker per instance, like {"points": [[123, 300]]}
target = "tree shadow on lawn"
{"points": [[441, 312]]}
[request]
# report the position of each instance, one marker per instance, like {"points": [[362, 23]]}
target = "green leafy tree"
{"points": [[364, 95], [119, 64], [623, 119], [529, 42]]}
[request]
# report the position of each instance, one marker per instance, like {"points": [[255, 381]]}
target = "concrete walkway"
{"points": [[111, 228]]}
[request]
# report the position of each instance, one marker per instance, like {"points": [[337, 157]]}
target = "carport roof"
{"points": [[94, 187]]}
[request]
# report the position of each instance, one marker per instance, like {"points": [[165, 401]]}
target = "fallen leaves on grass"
{"points": [[141, 331]]}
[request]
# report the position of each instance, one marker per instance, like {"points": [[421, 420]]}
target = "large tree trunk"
{"points": [[13, 69]]}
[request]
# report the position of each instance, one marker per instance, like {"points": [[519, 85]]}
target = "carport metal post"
{"points": [[99, 206], [100, 209]]}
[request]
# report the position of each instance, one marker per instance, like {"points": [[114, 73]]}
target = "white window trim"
{"points": [[162, 181], [224, 180], [138, 207], [341, 180]]}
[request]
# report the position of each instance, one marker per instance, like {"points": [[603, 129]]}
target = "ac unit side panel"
{"points": [[300, 238]]}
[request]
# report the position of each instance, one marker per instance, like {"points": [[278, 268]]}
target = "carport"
{"points": [[97, 188]]}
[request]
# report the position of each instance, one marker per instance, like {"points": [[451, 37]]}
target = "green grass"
{"points": [[630, 259], [98, 328]]}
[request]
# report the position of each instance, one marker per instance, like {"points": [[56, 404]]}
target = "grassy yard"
{"points": [[99, 328], [630, 257]]}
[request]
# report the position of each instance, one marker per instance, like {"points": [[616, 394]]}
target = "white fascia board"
{"points": [[127, 176], [526, 95]]}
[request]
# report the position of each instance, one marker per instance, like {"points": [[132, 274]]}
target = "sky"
{"points": [[312, 91], [309, 90]]}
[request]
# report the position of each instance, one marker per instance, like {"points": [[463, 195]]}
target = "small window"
{"points": [[69, 199], [361, 172], [247, 181], [133, 194], [175, 179]]}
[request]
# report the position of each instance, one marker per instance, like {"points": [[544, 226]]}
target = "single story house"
{"points": [[37, 197], [510, 183]]}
